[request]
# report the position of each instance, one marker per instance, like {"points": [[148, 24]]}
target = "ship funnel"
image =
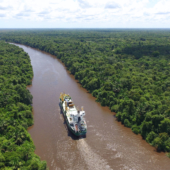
{"points": [[82, 108]]}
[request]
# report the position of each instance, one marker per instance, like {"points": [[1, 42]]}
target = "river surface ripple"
{"points": [[108, 144]]}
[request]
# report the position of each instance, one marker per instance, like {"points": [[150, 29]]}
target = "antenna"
{"points": [[61, 96], [77, 108], [66, 107]]}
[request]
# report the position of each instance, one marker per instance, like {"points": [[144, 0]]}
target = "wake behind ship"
{"points": [[74, 118]]}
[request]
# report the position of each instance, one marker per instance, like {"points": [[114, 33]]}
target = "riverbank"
{"points": [[17, 147], [108, 143], [132, 81]]}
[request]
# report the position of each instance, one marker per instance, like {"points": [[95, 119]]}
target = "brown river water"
{"points": [[108, 144]]}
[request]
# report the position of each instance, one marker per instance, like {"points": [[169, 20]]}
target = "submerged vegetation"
{"points": [[16, 145], [126, 70]]}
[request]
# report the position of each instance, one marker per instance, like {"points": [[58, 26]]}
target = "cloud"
{"points": [[163, 13], [2, 15], [105, 12], [146, 14], [161, 8], [43, 13], [4, 7], [21, 14], [28, 10], [84, 4], [112, 5]]}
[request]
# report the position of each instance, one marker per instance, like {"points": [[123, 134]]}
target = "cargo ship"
{"points": [[74, 118]]}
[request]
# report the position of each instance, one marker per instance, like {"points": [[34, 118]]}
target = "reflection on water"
{"points": [[108, 144]]}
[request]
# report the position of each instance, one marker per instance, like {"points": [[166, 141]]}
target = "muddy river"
{"points": [[108, 144]]}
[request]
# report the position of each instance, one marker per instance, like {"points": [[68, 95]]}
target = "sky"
{"points": [[84, 13]]}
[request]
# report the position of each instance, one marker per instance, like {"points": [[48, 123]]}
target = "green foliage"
{"points": [[155, 53], [126, 70], [162, 142], [115, 108], [168, 154], [135, 129], [127, 123], [165, 126], [16, 146], [151, 136]]}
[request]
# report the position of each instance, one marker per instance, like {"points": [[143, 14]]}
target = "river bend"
{"points": [[108, 144]]}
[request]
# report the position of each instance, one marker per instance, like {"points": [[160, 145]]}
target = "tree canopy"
{"points": [[126, 70], [16, 145]]}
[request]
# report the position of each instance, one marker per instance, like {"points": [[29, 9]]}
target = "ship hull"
{"points": [[83, 133]]}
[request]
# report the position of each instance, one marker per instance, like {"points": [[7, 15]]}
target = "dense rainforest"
{"points": [[16, 145], [126, 70]]}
